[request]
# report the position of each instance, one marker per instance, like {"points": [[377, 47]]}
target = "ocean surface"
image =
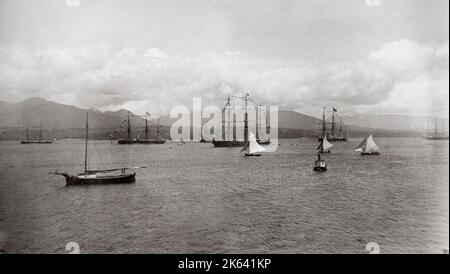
{"points": [[196, 199]]}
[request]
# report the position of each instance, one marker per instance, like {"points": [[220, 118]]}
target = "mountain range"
{"points": [[52, 116]]}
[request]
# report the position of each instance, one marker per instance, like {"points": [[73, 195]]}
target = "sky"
{"points": [[360, 56]]}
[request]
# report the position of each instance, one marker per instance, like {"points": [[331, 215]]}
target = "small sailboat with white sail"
{"points": [[325, 146], [251, 147], [368, 146], [104, 176]]}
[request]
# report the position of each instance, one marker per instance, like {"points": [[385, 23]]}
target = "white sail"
{"points": [[325, 144], [253, 146], [370, 145], [361, 145]]}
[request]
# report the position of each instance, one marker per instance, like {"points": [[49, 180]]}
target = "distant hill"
{"points": [[40, 113], [397, 122], [65, 121]]}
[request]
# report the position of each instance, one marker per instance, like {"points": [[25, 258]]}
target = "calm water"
{"points": [[195, 198]]}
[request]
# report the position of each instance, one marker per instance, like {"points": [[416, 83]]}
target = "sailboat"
{"points": [[181, 142], [333, 134], [320, 164], [252, 147], [40, 141], [237, 143], [325, 146], [368, 146], [105, 176], [146, 140], [435, 134]]}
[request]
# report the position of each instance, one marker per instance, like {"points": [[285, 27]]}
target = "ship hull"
{"points": [[36, 142], [235, 143], [114, 179], [151, 142], [333, 139], [436, 138], [370, 154], [252, 154], [126, 142], [320, 169], [142, 142]]}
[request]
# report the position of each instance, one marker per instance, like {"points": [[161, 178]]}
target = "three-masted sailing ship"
{"points": [[226, 142], [436, 133], [368, 146], [333, 132], [146, 141], [102, 176], [39, 141]]}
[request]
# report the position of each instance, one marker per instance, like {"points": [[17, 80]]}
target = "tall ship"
{"points": [[435, 133], [334, 131], [146, 141], [39, 141], [231, 141]]}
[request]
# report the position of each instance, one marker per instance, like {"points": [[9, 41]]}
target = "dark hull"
{"points": [[151, 142], [333, 139], [266, 142], [204, 141], [228, 143], [126, 142], [370, 154], [318, 167], [142, 142], [252, 155], [436, 138], [36, 142], [117, 179], [324, 151], [235, 143]]}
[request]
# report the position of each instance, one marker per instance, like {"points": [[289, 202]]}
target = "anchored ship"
{"points": [[39, 141], [146, 140], [436, 133], [333, 133], [226, 142]]}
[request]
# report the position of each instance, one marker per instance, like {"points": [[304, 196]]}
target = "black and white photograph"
{"points": [[224, 127]]}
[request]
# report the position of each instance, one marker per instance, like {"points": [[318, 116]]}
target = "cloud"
{"points": [[73, 3], [155, 53], [402, 77]]}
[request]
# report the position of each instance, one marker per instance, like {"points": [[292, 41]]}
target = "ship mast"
{"points": [[129, 128], [40, 134], [435, 127], [28, 134], [158, 135], [246, 119], [86, 144], [333, 127], [146, 127], [323, 123]]}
